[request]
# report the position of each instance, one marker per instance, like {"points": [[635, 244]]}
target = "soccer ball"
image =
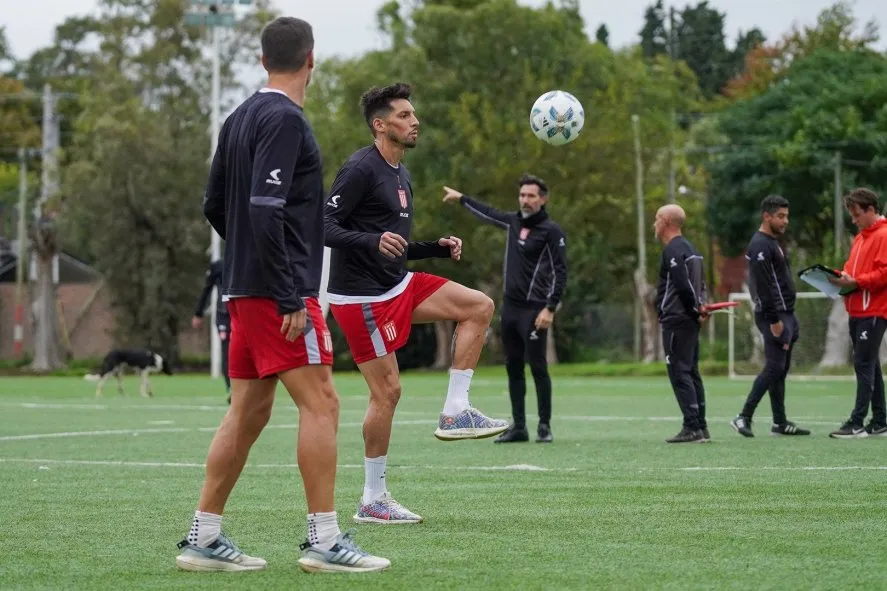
{"points": [[557, 117]]}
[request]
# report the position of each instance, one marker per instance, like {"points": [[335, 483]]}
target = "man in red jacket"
{"points": [[865, 273]]}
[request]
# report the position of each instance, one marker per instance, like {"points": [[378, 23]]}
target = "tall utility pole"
{"points": [[642, 245], [214, 14], [19, 330], [839, 209], [673, 55]]}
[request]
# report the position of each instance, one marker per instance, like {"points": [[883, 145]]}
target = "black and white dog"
{"points": [[142, 360]]}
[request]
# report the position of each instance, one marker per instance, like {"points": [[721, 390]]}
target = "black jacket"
{"points": [[265, 198], [681, 289], [769, 277], [535, 265], [213, 279]]}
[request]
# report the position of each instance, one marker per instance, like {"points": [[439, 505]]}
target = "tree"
{"points": [[786, 140], [654, 34], [138, 163], [602, 35]]}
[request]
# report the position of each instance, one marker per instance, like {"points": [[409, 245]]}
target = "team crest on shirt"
{"points": [[327, 341], [402, 194], [389, 330], [524, 232]]}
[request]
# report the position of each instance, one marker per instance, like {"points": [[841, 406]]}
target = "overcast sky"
{"points": [[347, 27]]}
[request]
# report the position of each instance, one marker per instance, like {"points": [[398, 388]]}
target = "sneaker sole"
{"points": [[735, 428], [310, 565], [862, 435], [545, 440], [775, 434], [201, 564], [377, 521], [457, 434]]}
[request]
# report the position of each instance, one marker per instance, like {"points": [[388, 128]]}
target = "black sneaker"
{"points": [[876, 429], [788, 428], [686, 436], [706, 437], [849, 431], [513, 434], [742, 425], [543, 434]]}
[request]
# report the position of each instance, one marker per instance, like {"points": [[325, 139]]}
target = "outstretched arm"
{"points": [[485, 212]]}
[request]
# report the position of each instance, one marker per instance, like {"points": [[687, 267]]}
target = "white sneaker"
{"points": [[386, 511], [343, 557], [221, 555], [468, 424]]}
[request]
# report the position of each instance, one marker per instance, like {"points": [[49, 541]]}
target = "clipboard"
{"points": [[817, 277]]}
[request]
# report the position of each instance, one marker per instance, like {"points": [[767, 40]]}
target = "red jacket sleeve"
{"points": [[876, 279]]}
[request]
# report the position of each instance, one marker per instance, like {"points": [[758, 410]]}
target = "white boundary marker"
{"points": [[129, 464]]}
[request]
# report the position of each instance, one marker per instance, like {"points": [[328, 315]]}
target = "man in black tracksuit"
{"points": [[535, 277], [222, 320], [773, 291], [680, 303]]}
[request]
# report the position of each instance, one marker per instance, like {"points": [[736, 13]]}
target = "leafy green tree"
{"points": [[602, 35], [137, 163], [784, 141]]}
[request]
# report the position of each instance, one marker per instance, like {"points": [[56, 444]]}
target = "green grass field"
{"points": [[96, 493]]}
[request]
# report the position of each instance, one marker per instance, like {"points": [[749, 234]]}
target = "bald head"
{"points": [[673, 214], [669, 221]]}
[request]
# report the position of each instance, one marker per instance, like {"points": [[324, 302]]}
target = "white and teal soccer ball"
{"points": [[557, 117]]}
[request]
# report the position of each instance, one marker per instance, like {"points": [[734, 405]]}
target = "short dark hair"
{"points": [[865, 198], [529, 179], [286, 43], [773, 203], [376, 102]]}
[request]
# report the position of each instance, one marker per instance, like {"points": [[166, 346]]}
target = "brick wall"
{"points": [[90, 324]]}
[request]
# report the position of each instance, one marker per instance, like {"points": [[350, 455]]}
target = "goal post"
{"points": [[822, 351]]}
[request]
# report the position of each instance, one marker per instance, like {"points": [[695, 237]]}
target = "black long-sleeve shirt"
{"points": [[535, 266], [213, 279], [368, 198], [681, 289], [265, 198], [769, 277]]}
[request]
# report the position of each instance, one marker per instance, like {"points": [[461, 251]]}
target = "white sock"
{"points": [[323, 529], [374, 478], [205, 528], [457, 393]]}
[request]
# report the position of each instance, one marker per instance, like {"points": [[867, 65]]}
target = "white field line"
{"points": [[46, 462], [64, 434], [128, 464], [811, 420], [778, 468]]}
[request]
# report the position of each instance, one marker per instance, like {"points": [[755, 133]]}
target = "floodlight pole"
{"points": [[215, 239], [214, 14]]}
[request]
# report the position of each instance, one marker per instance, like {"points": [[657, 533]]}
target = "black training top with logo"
{"points": [[368, 198], [535, 266], [681, 290], [265, 198], [770, 277]]}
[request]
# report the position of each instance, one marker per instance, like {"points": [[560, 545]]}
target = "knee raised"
{"points": [[484, 308]]}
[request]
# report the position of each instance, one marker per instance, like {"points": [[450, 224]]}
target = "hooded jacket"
{"points": [[867, 264]]}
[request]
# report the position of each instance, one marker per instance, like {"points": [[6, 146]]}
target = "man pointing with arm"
{"points": [[535, 279]]}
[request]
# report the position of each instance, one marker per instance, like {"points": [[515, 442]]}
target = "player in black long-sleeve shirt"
{"points": [[680, 301], [222, 320], [264, 196], [535, 278], [375, 299], [773, 291]]}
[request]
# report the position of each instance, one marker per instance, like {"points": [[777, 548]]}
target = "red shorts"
{"points": [[376, 329], [258, 350]]}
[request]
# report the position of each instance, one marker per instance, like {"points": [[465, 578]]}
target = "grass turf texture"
{"points": [[614, 507]]}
